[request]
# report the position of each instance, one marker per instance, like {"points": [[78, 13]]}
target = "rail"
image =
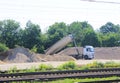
{"points": [[52, 75]]}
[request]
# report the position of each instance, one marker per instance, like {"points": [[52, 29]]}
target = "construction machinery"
{"points": [[88, 51]]}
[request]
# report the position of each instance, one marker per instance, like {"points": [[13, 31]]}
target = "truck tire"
{"points": [[86, 57]]}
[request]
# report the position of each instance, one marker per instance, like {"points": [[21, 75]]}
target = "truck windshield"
{"points": [[90, 49]]}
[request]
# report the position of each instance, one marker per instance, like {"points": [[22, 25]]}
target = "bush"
{"points": [[68, 66], [96, 64], [44, 67], [111, 64], [34, 49], [3, 47]]}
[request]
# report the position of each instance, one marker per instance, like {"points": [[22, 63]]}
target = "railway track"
{"points": [[52, 75]]}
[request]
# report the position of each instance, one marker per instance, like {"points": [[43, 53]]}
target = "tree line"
{"points": [[30, 36]]}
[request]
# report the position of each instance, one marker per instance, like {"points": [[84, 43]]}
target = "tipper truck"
{"points": [[88, 51]]}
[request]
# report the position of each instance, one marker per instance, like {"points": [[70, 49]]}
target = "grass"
{"points": [[68, 80], [67, 66], [81, 80], [70, 66], [84, 80], [96, 65]]}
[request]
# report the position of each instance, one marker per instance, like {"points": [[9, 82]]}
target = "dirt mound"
{"points": [[100, 52], [23, 55], [20, 55], [107, 53]]}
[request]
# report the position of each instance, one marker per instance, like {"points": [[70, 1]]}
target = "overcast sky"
{"points": [[47, 12]]}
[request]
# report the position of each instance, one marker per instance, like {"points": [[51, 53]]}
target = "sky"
{"points": [[47, 12]]}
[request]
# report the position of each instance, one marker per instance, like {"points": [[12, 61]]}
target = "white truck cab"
{"points": [[88, 52]]}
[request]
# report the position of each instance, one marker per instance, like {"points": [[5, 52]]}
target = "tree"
{"points": [[91, 38], [9, 30], [109, 27], [55, 33], [32, 36], [110, 40], [78, 30]]}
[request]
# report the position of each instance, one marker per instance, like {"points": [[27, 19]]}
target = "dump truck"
{"points": [[88, 51]]}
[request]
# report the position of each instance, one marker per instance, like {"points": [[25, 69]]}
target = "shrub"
{"points": [[96, 64], [3, 47], [84, 67], [67, 66], [111, 64], [44, 67], [13, 70], [34, 49]]}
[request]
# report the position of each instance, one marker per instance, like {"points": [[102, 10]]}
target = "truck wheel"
{"points": [[86, 57]]}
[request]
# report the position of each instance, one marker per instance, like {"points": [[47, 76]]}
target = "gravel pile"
{"points": [[21, 55], [108, 53]]}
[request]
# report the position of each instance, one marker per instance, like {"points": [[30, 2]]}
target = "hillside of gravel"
{"points": [[18, 55], [24, 55], [100, 52], [107, 53]]}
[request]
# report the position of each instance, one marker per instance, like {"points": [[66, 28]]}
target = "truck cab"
{"points": [[88, 52]]}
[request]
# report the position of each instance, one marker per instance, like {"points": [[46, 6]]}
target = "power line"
{"points": [[102, 1]]}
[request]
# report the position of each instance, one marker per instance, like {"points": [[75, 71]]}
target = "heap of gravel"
{"points": [[108, 53], [24, 55], [21, 55]]}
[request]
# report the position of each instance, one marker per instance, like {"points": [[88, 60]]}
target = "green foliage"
{"points": [[111, 64], [70, 65], [67, 66], [91, 80], [34, 49], [3, 47], [110, 40], [109, 28], [91, 38], [55, 33], [9, 30], [78, 30], [13, 69], [32, 69], [96, 64], [11, 34], [44, 67], [31, 35]]}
